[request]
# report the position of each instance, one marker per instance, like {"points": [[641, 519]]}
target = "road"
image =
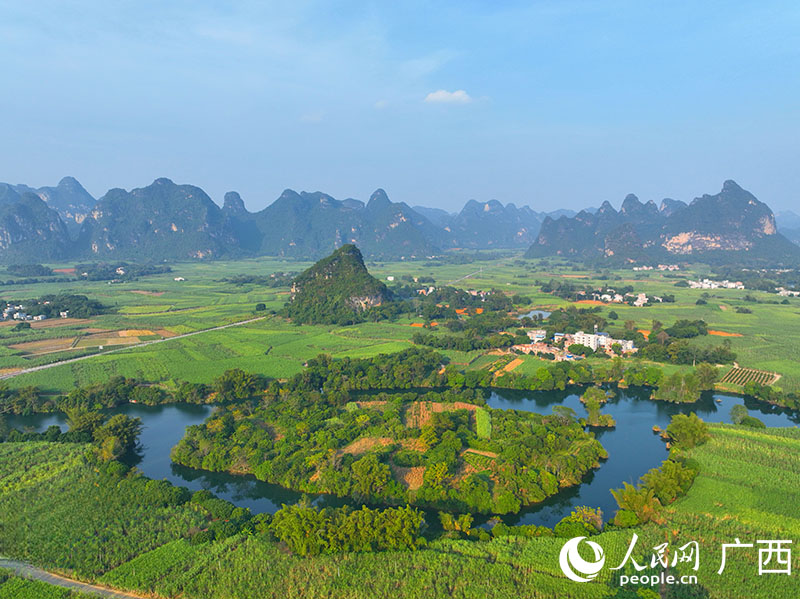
{"points": [[26, 570], [9, 375]]}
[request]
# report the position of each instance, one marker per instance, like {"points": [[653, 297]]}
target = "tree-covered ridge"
{"points": [[731, 227], [427, 450], [336, 290]]}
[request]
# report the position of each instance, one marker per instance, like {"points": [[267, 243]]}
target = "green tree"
{"points": [[118, 435], [688, 431], [707, 375], [640, 501], [371, 476], [738, 413], [83, 420]]}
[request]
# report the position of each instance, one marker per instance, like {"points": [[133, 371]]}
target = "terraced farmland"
{"points": [[742, 376]]}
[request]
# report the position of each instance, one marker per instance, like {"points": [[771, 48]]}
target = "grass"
{"points": [[60, 513], [16, 587], [272, 347], [747, 488], [770, 338], [483, 423]]}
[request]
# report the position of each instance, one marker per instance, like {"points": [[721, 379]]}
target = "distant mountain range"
{"points": [[731, 226], [167, 221], [789, 225]]}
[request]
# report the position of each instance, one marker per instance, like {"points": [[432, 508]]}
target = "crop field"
{"points": [[742, 376], [272, 347], [20, 588], [766, 339], [746, 489], [49, 498]]}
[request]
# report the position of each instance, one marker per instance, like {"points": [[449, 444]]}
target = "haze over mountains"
{"points": [[732, 226], [167, 221]]}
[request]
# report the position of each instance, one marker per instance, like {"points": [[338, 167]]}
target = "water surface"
{"points": [[632, 447]]}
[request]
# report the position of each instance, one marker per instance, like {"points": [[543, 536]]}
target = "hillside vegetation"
{"points": [[336, 290]]}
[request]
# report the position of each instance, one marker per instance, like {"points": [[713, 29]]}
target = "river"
{"points": [[632, 446]]}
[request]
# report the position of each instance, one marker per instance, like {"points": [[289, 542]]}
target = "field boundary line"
{"points": [[127, 348]]}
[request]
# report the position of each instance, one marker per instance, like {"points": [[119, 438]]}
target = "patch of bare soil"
{"points": [[410, 478], [364, 444]]}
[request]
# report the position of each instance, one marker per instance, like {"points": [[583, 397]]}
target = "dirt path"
{"points": [[26, 570], [126, 348]]}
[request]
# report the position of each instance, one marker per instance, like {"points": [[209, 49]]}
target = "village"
{"points": [[17, 312], [563, 348], [709, 284], [611, 296]]}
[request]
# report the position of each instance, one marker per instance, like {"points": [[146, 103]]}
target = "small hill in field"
{"points": [[336, 290]]}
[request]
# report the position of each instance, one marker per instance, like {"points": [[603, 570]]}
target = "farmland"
{"points": [[747, 474], [747, 489], [741, 376], [157, 306]]}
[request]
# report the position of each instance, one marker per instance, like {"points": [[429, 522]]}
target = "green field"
{"points": [[747, 488], [769, 337], [16, 587]]}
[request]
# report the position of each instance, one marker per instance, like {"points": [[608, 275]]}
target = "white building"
{"points": [[601, 340], [709, 284], [783, 292], [641, 300], [537, 335]]}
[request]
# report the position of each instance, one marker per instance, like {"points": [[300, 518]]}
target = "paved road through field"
{"points": [[9, 375], [26, 570]]}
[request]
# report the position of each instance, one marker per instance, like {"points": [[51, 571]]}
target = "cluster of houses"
{"points": [[562, 341], [609, 296], [709, 284], [17, 312], [783, 292], [431, 289], [668, 267]]}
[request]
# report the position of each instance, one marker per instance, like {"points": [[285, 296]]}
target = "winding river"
{"points": [[632, 447]]}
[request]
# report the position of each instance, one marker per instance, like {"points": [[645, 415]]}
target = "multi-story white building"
{"points": [[601, 340]]}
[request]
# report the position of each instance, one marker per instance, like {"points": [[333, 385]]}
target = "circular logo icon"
{"points": [[574, 566]]}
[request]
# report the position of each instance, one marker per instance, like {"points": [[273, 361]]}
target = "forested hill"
{"points": [[729, 227], [335, 290], [169, 221]]}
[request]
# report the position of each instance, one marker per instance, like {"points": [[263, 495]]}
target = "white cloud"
{"points": [[443, 96]]}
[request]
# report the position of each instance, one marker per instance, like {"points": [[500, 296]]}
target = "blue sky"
{"points": [[550, 104]]}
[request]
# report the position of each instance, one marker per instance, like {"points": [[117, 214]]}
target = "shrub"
{"points": [[625, 519], [204, 536], [752, 422]]}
